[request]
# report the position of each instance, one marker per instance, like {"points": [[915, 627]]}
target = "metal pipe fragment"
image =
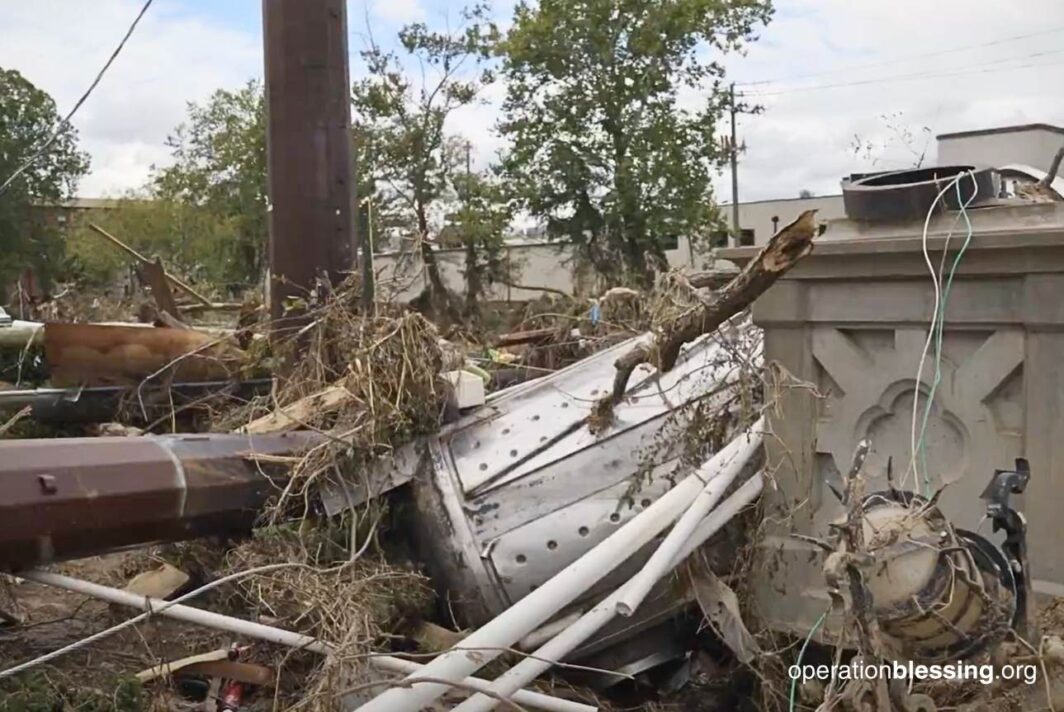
{"points": [[70, 497], [591, 622], [270, 634], [502, 632]]}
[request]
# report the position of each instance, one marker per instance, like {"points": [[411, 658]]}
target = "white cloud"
{"points": [[397, 11], [802, 141], [171, 59]]}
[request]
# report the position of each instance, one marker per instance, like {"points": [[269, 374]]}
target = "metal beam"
{"points": [[69, 497], [101, 404], [308, 118]]}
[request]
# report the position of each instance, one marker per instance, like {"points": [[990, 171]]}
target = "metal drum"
{"points": [[515, 492], [939, 593]]}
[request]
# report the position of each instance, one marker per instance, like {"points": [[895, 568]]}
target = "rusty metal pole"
{"points": [[308, 118], [72, 497]]}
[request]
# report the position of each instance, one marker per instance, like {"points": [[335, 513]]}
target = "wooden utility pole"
{"points": [[308, 129], [733, 147]]}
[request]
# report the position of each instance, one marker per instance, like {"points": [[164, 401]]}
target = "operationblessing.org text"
{"points": [[898, 670]]}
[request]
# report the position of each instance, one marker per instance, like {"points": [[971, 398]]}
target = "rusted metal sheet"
{"points": [[65, 498], [95, 354]]}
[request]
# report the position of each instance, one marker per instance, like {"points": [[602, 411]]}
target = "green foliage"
{"points": [[400, 123], [192, 240], [479, 226], [28, 117], [611, 108], [406, 160], [35, 692], [220, 166]]}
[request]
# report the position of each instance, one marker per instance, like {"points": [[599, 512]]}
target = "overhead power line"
{"points": [[66, 120], [979, 69], [903, 58]]}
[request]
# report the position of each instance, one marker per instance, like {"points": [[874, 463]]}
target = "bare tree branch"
{"points": [[782, 252]]}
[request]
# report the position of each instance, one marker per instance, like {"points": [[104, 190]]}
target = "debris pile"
{"points": [[597, 514]]}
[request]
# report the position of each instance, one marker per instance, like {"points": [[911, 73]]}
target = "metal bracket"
{"points": [[1002, 485]]}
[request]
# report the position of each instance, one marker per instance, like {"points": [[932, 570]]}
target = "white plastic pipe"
{"points": [[520, 619], [591, 622], [664, 557], [21, 334], [260, 631]]}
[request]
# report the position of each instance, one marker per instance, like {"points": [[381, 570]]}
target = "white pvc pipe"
{"points": [[545, 632], [591, 622], [502, 632], [270, 634], [21, 334], [663, 558]]}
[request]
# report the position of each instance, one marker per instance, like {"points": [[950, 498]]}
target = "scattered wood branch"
{"points": [[170, 321], [712, 279], [1051, 174], [296, 414], [145, 261], [535, 288], [515, 338], [4, 427], [782, 252], [198, 308]]}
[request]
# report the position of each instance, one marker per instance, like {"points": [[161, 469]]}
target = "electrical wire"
{"points": [[936, 288], [964, 204], [801, 654], [903, 58], [66, 120], [980, 69]]}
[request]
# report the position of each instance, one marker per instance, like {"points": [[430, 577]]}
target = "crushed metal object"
{"points": [[939, 593]]}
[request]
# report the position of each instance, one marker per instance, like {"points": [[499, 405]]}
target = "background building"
{"points": [[543, 266], [1027, 145]]}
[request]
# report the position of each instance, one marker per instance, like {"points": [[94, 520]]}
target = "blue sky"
{"points": [[1008, 68]]}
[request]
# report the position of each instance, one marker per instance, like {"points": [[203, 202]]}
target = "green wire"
{"points": [[801, 653], [921, 449]]}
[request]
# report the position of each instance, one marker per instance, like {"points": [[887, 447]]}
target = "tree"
{"points": [[192, 241], [220, 166], [28, 117], [400, 122], [603, 147], [480, 224]]}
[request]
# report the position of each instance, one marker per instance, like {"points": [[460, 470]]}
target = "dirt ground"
{"points": [[52, 618]]}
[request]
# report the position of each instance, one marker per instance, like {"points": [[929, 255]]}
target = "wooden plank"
{"points": [[153, 274], [144, 260], [292, 416], [247, 673], [161, 582]]}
